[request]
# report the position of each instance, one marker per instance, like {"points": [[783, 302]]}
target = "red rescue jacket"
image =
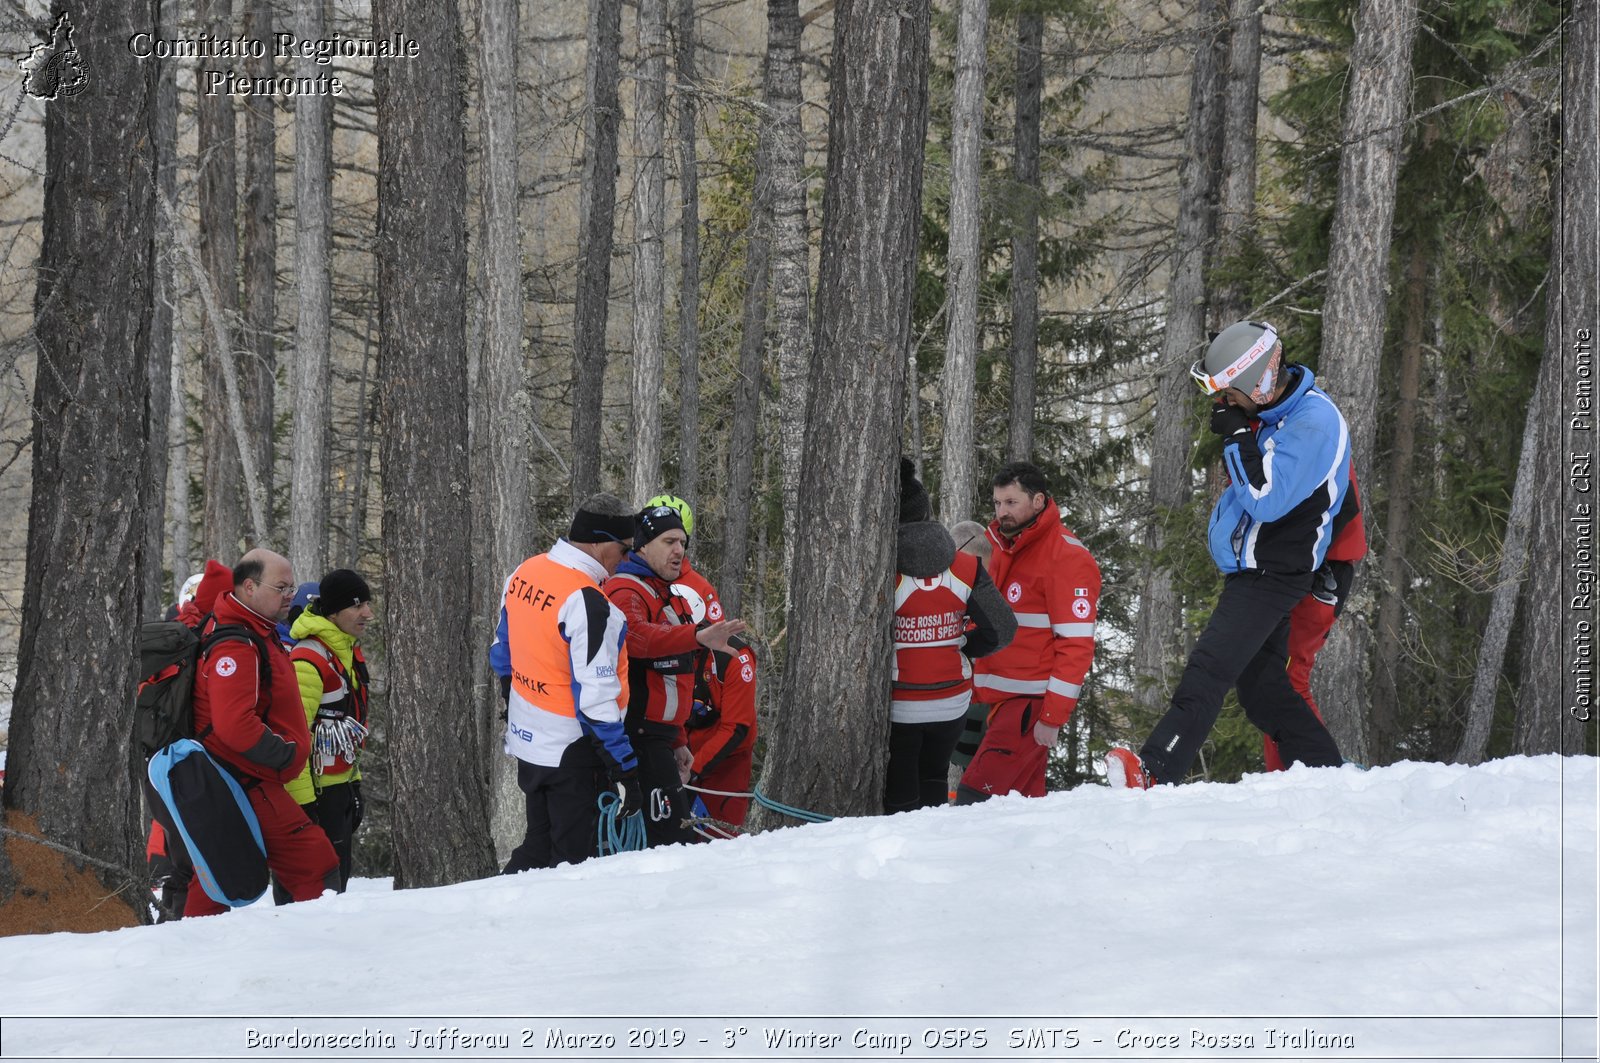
{"points": [[1053, 585], [261, 733]]}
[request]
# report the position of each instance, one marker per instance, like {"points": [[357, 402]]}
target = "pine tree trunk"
{"points": [[164, 366], [689, 441], [69, 763], [1397, 518], [1545, 721], [739, 498], [1158, 646], [959, 458], [260, 257], [440, 804], [596, 212], [649, 223], [222, 527], [1237, 201], [506, 407], [791, 251], [829, 744], [1377, 104], [1025, 242], [1486, 677], [313, 227]]}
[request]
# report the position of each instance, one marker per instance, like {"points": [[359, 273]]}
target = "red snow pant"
{"points": [[731, 773], [299, 854], [1008, 760], [1309, 624]]}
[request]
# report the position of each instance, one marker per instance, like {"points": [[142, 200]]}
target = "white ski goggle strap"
{"points": [[1211, 384]]}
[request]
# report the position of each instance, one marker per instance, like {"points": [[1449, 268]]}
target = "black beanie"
{"points": [[914, 504], [653, 521], [591, 527], [339, 590]]}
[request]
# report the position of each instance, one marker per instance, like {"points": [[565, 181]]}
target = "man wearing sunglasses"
{"points": [[1286, 448]]}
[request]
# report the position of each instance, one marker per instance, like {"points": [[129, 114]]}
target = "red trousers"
{"points": [[298, 852], [1009, 760], [1309, 624], [731, 773]]}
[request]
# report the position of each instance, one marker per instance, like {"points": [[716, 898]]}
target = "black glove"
{"points": [[630, 791], [358, 807], [1228, 421]]}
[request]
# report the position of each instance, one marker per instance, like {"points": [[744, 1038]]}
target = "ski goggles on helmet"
{"points": [[1211, 383]]}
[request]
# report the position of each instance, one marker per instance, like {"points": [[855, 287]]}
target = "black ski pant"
{"points": [[563, 810], [666, 803], [337, 810], [1245, 646], [919, 764]]}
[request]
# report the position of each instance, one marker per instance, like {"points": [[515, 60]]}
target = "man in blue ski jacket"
{"points": [[1286, 448]]}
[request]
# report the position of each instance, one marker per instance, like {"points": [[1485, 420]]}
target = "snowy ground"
{"points": [[1415, 911]]}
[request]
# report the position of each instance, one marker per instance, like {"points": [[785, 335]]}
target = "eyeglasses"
{"points": [[285, 590]]}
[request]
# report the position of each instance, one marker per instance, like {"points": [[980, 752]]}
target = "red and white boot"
{"points": [[1125, 771]]}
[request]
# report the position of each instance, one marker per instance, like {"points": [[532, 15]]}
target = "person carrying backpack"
{"points": [[257, 731], [332, 673]]}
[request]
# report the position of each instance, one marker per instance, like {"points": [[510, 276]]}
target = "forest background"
{"points": [[646, 247]]}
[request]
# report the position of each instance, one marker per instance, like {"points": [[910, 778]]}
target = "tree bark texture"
{"points": [[1377, 105], [1392, 609], [506, 407], [596, 213], [222, 528], [791, 251], [260, 255], [1237, 200], [829, 746], [1159, 645], [162, 364], [959, 459], [689, 442], [1025, 240], [740, 495], [649, 225], [313, 227], [1545, 721], [440, 808], [69, 763]]}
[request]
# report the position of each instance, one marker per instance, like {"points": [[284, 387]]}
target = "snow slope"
{"points": [[1392, 907]]}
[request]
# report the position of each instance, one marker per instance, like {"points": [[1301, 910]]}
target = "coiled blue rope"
{"points": [[617, 833]]}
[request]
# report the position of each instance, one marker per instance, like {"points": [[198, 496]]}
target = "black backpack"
{"points": [[170, 653]]}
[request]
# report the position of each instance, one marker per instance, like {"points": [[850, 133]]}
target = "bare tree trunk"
{"points": [[165, 369], [440, 810], [791, 250], [828, 748], [1025, 242], [260, 255], [69, 763], [914, 440], [649, 222], [1377, 104], [178, 517], [1237, 202], [596, 211], [1397, 518], [313, 227], [959, 458], [1508, 584], [222, 523], [1158, 645], [506, 408], [689, 442], [740, 497], [1547, 722]]}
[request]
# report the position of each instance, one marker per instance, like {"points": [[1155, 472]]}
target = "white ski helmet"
{"points": [[1236, 358]]}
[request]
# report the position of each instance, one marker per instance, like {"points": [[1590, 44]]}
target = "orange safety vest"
{"points": [[541, 660]]}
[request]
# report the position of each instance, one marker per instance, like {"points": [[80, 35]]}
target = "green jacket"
{"points": [[309, 625]]}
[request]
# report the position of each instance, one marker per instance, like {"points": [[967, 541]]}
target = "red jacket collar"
{"points": [[1047, 524], [230, 610]]}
